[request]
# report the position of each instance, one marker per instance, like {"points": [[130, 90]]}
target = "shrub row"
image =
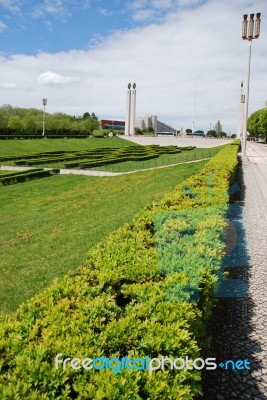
{"points": [[125, 154], [66, 157], [25, 176], [21, 136], [101, 153], [115, 305], [57, 153], [34, 155], [10, 173], [111, 160]]}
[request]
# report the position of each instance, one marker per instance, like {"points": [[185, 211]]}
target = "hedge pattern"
{"points": [[96, 157], [115, 305]]}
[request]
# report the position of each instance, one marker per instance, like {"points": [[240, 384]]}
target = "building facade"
{"points": [[148, 122], [151, 122], [112, 124]]}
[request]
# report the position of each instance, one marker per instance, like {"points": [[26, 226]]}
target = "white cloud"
{"points": [[57, 8], [201, 45], [162, 3], [2, 26], [188, 3], [105, 12], [143, 15], [52, 78], [8, 85], [11, 5], [136, 4]]}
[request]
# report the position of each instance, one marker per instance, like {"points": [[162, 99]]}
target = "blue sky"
{"points": [[82, 54], [29, 27]]}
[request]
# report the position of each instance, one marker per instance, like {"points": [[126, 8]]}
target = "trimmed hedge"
{"points": [[25, 176], [40, 136], [88, 157], [111, 160], [10, 173], [116, 305]]}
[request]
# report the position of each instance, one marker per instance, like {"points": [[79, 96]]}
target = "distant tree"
{"points": [[223, 134], [138, 131], [263, 123], [233, 136], [256, 123], [93, 116], [86, 115], [33, 123], [15, 120], [188, 130], [199, 131], [89, 124], [16, 124], [212, 133]]}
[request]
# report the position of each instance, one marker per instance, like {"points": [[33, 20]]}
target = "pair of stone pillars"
{"points": [[130, 110]]}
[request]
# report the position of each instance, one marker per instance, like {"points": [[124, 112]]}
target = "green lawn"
{"points": [[17, 147], [47, 226]]}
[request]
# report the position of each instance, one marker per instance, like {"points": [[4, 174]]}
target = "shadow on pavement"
{"points": [[231, 327]]}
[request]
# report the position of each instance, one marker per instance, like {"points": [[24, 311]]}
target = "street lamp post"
{"points": [[242, 112], [250, 31], [44, 104]]}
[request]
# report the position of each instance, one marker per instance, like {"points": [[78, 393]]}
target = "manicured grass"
{"points": [[47, 226], [17, 147]]}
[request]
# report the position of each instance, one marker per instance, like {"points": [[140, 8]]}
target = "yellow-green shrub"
{"points": [[116, 305]]}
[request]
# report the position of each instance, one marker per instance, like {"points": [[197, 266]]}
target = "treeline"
{"points": [[16, 121], [257, 124]]}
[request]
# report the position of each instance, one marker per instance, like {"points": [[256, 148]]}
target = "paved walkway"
{"points": [[239, 327], [177, 141]]}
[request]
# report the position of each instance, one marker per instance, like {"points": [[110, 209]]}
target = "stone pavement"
{"points": [[177, 141], [239, 325]]}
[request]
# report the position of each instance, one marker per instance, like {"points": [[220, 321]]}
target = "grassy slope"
{"points": [[17, 147], [47, 226]]}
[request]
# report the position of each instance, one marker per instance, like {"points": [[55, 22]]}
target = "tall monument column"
{"points": [[130, 110], [133, 106]]}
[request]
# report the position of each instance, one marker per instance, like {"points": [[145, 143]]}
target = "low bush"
{"points": [[88, 157], [121, 302], [25, 176]]}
